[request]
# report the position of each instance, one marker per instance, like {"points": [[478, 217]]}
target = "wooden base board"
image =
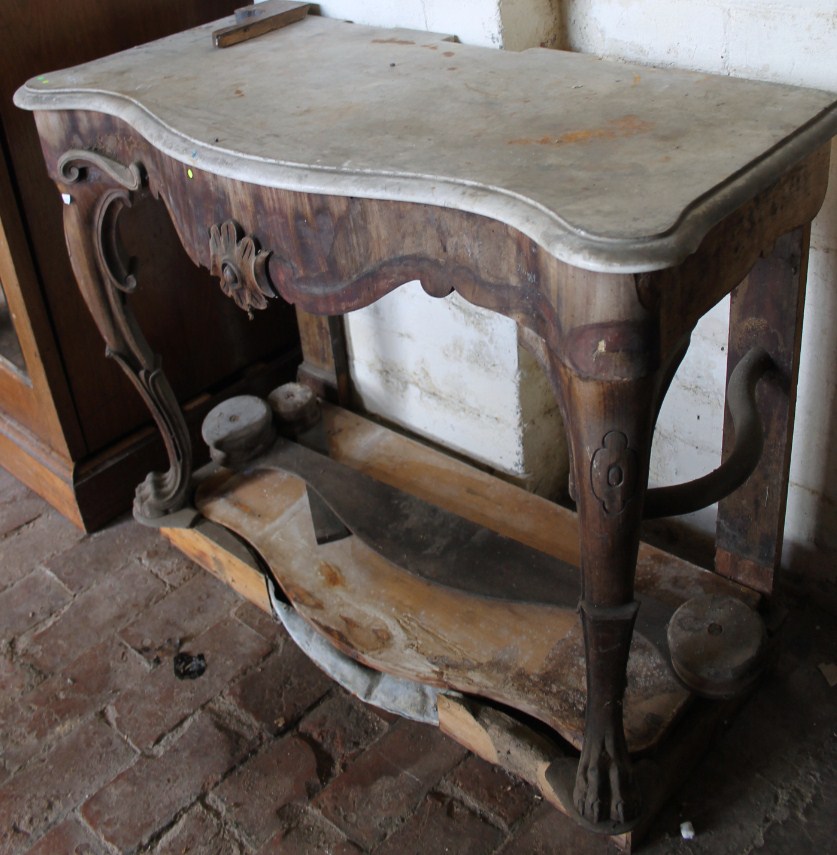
{"points": [[455, 632], [43, 470], [435, 477], [492, 734], [220, 553], [93, 491], [487, 500]]}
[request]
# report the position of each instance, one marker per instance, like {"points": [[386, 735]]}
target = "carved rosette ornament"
{"points": [[240, 265]]}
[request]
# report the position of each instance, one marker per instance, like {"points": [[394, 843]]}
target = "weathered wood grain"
{"points": [[525, 655], [254, 21], [456, 486], [765, 310]]}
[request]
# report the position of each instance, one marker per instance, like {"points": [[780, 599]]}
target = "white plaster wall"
{"points": [[530, 23], [788, 41], [445, 369], [475, 22]]}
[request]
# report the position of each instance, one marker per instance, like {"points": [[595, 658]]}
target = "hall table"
{"points": [[602, 206]]}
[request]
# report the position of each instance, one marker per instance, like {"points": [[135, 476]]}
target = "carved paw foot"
{"points": [[160, 501], [605, 791], [153, 494]]}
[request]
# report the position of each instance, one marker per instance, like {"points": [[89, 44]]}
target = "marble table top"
{"points": [[608, 166]]}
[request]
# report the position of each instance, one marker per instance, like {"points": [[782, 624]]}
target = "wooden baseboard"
{"points": [[39, 467], [503, 738], [93, 491]]}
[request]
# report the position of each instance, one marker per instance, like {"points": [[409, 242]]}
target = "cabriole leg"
{"points": [[610, 424]]}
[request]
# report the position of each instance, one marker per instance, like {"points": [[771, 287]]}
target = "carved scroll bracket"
{"points": [[74, 164]]}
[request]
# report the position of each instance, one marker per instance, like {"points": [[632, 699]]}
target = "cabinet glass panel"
{"points": [[9, 344]]}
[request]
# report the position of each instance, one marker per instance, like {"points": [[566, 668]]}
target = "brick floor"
{"points": [[283, 772], [103, 750], [127, 812], [146, 712]]}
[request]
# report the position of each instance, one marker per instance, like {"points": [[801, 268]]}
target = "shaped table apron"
{"points": [[331, 254]]}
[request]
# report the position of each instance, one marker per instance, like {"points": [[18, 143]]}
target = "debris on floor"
{"points": [[687, 831], [189, 667], [829, 671]]}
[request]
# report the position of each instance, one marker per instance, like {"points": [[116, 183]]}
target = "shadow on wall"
{"points": [[816, 425], [810, 536], [825, 527]]}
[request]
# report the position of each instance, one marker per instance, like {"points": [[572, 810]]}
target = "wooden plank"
{"points": [[217, 551], [765, 310], [476, 495], [498, 738], [528, 656], [483, 498], [258, 19], [505, 508], [461, 488]]}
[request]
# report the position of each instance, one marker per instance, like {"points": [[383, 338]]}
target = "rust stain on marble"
{"points": [[627, 126]]}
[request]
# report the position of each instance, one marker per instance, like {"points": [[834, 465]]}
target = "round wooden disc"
{"points": [[238, 430], [296, 406], [717, 645]]}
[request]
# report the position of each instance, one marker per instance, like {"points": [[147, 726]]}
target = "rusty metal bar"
{"points": [[737, 468]]}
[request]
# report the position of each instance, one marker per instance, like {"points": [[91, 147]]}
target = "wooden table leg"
{"points": [[325, 359], [765, 311], [610, 437], [610, 425], [96, 189]]}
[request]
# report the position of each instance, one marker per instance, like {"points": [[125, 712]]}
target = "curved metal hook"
{"points": [[737, 468]]}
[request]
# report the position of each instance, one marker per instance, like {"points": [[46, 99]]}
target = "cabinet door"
{"points": [[203, 338], [25, 387]]}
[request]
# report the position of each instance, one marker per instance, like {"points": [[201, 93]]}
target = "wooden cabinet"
{"points": [[69, 427]]}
